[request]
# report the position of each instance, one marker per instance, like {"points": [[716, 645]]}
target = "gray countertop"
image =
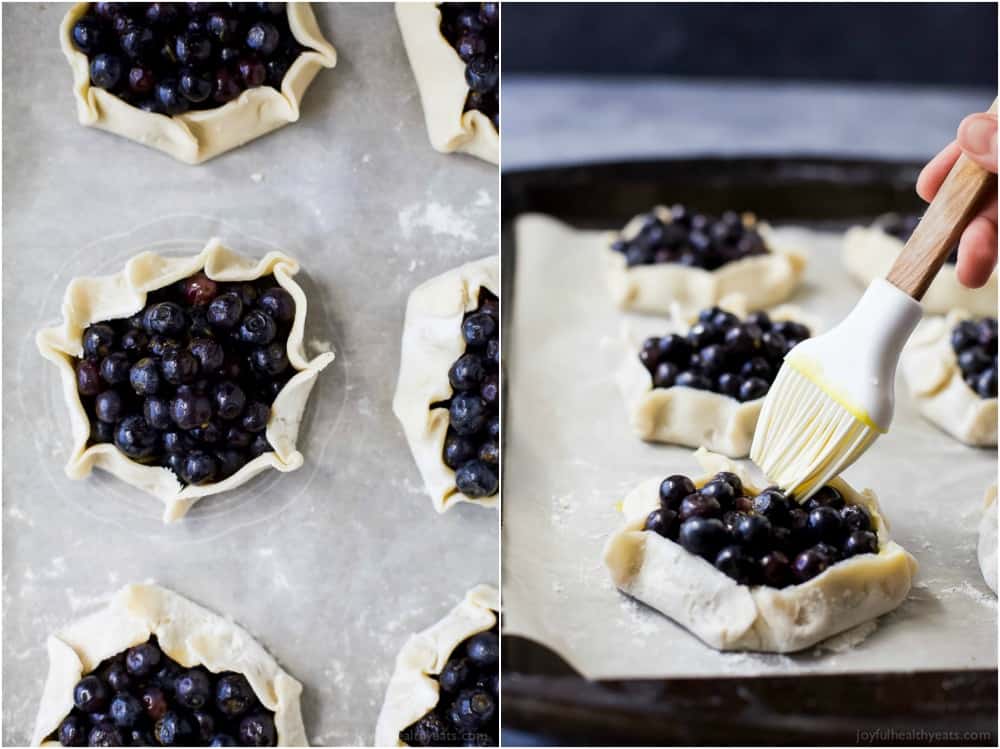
{"points": [[565, 120], [333, 566]]}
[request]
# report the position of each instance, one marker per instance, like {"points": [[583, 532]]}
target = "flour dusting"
{"points": [[320, 346], [847, 640], [969, 590], [437, 218]]}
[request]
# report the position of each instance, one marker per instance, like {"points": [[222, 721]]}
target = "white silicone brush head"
{"points": [[834, 393]]}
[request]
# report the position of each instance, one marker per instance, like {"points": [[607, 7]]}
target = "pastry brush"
{"points": [[833, 395]]}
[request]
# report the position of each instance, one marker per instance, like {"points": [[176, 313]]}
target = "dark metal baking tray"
{"points": [[545, 701]]}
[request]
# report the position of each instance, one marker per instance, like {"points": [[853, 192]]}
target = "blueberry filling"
{"points": [[901, 227], [472, 443], [764, 539], [975, 346], [693, 239], [169, 58], [723, 354], [467, 713], [473, 30], [187, 383], [144, 698]]}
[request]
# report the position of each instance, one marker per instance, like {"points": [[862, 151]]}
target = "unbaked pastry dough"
{"points": [[95, 299], [870, 251], [988, 538], [432, 341], [197, 136], [440, 75], [688, 416], [411, 693], [761, 280], [931, 371], [729, 616], [186, 632]]}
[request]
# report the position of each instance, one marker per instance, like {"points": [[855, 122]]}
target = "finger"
{"points": [[932, 175], [977, 136], [977, 252]]}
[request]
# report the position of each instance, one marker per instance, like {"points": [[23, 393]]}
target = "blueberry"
{"points": [[160, 345], [493, 351], [752, 389], [489, 452], [72, 731], [88, 378], [125, 710], [225, 87], [225, 311], [194, 86], [173, 729], [257, 730], [257, 328], [472, 709], [117, 676], [263, 38], [108, 406], [144, 377], [772, 504], [702, 334], [703, 536], [986, 383], [673, 489], [761, 319], [825, 525], [105, 70], [222, 739], [693, 380], [860, 542], [208, 434], [673, 348], [199, 467], [430, 730], [713, 360], [965, 335], [229, 461], [204, 725], [775, 345], [136, 438], [973, 361], [744, 340], [90, 694], [223, 27], [229, 401], [775, 570], [457, 450], [252, 71], [169, 97], [270, 360], [467, 372], [154, 702], [98, 340], [729, 384], [139, 43], [757, 367], [734, 481], [193, 688], [476, 479], [721, 490], [189, 410], [856, 518], [490, 390], [278, 303], [180, 367], [478, 328], [455, 673], [115, 368], [663, 522], [483, 649], [737, 564], [259, 446], [156, 411], [237, 438], [105, 734], [489, 13], [467, 413], [88, 35], [255, 416], [809, 564], [165, 318], [192, 48], [233, 695], [792, 331], [162, 14], [828, 496]]}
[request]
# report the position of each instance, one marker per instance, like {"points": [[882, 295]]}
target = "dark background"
{"points": [[933, 43]]}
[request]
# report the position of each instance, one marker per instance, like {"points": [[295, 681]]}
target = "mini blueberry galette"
{"points": [[676, 256], [154, 669], [705, 386], [445, 689], [455, 55], [750, 569], [950, 366], [448, 394], [192, 79], [869, 252], [185, 376]]}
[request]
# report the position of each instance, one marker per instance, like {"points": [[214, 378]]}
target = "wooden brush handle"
{"points": [[957, 202]]}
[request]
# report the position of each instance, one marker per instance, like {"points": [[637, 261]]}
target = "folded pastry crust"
{"points": [[186, 632], [687, 416], [197, 136], [987, 548], [432, 341], [931, 371], [411, 693], [440, 76], [869, 252], [729, 616], [95, 299], [761, 280]]}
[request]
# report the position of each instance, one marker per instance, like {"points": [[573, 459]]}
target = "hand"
{"points": [[977, 249]]}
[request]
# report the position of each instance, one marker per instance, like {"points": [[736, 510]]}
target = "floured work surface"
{"points": [[567, 431]]}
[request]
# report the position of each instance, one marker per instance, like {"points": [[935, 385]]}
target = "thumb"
{"points": [[977, 137]]}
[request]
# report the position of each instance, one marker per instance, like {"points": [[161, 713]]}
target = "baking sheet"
{"points": [[567, 432], [333, 566]]}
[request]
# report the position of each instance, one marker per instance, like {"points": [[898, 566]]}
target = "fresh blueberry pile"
{"points": [[168, 58], [767, 539], [188, 381], [144, 698], [473, 29], [693, 239], [467, 713], [722, 354], [901, 227], [975, 345], [472, 445]]}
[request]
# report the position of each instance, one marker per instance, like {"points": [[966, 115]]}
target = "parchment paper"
{"points": [[331, 567], [567, 432]]}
